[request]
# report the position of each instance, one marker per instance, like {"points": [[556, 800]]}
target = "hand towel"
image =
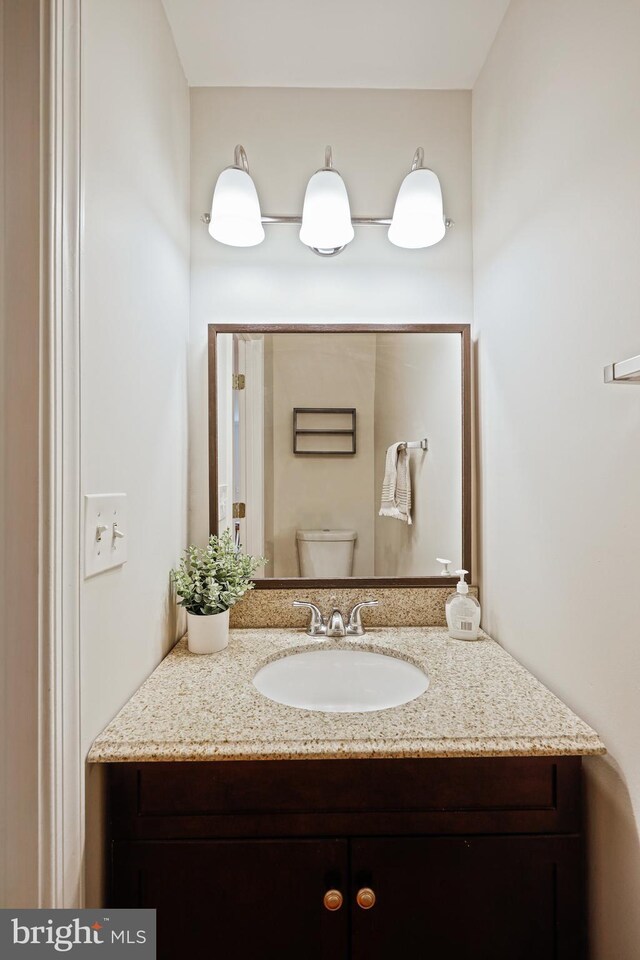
{"points": [[396, 487]]}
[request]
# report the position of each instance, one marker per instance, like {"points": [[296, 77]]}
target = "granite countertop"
{"points": [[480, 702]]}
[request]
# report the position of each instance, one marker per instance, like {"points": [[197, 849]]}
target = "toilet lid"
{"points": [[320, 535]]}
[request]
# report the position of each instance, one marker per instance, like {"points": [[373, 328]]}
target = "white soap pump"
{"points": [[463, 611]]}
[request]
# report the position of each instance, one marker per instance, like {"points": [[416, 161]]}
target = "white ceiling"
{"points": [[391, 44]]}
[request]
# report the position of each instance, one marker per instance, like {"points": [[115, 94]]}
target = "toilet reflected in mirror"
{"points": [[325, 553]]}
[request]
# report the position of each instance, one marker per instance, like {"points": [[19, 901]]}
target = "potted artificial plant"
{"points": [[209, 580]]}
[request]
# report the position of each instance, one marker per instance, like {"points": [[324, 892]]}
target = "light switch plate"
{"points": [[105, 532]]}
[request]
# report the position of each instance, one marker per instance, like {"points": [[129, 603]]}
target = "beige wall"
{"points": [[312, 370], [556, 141], [374, 134], [19, 438], [418, 394], [134, 329]]}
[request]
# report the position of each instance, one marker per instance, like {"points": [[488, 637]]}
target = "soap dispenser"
{"points": [[463, 612]]}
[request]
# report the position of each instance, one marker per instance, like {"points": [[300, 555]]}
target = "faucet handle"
{"points": [[355, 627], [317, 626]]}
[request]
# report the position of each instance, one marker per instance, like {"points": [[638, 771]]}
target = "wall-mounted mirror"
{"points": [[301, 419]]}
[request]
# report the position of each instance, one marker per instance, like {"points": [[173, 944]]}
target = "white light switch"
{"points": [[105, 532]]}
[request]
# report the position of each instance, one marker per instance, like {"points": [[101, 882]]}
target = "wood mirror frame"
{"points": [[464, 331]]}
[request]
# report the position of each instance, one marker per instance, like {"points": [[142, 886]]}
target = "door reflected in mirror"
{"points": [[340, 453]]}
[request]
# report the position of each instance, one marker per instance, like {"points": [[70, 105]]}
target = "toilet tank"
{"points": [[325, 553]]}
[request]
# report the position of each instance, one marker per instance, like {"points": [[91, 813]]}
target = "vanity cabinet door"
{"points": [[473, 898], [255, 899]]}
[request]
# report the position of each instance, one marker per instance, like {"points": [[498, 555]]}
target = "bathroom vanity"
{"points": [[449, 826]]}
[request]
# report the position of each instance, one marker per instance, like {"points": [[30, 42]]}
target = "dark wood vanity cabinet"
{"points": [[237, 898], [466, 858], [492, 898]]}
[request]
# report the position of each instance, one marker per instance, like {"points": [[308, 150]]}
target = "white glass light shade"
{"points": [[418, 216], [326, 216], [235, 210]]}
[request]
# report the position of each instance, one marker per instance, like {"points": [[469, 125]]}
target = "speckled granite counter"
{"points": [[480, 702], [398, 606]]}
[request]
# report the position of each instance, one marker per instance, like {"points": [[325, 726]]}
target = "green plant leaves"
{"points": [[212, 579]]}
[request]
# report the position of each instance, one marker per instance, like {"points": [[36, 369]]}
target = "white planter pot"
{"points": [[207, 634]]}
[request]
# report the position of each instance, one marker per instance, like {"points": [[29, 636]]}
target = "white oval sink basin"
{"points": [[340, 681]]}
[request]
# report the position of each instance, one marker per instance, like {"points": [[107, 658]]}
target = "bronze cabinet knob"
{"points": [[333, 900], [365, 898]]}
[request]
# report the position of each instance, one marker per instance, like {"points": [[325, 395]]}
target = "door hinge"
{"points": [[238, 381], [239, 511]]}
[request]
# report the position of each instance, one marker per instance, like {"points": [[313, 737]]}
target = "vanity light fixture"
{"points": [[418, 217], [326, 216], [235, 210], [326, 222]]}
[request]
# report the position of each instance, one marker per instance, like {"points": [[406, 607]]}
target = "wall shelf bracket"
{"points": [[626, 371]]}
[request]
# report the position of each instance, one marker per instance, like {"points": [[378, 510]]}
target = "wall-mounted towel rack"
{"points": [[414, 445], [627, 371]]}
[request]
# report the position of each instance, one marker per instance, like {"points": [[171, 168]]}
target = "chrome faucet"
{"points": [[335, 625]]}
